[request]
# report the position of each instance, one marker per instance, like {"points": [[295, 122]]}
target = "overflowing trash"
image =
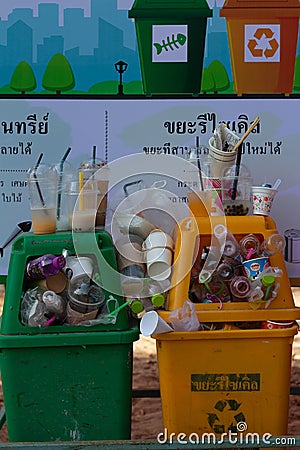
{"points": [[61, 290]]}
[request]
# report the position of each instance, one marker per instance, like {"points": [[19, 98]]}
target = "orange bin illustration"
{"points": [[263, 38]]}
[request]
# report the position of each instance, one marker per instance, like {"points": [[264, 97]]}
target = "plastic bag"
{"points": [[185, 318]]}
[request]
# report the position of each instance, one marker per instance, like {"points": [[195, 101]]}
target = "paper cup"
{"points": [[219, 159], [56, 283], [159, 262], [255, 266], [270, 325], [157, 239], [262, 199], [152, 323], [80, 265], [158, 255]]}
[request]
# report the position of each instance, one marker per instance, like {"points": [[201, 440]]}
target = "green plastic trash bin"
{"points": [[171, 40], [66, 382]]}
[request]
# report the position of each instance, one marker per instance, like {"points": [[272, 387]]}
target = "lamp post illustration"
{"points": [[121, 67]]}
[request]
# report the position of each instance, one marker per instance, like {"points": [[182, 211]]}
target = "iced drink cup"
{"points": [[97, 170], [82, 207], [42, 185]]}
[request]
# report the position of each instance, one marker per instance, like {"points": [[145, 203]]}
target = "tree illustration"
{"points": [[207, 83], [23, 79], [297, 74], [220, 75], [58, 75]]}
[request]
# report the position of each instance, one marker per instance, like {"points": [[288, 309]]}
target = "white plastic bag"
{"points": [[184, 318]]}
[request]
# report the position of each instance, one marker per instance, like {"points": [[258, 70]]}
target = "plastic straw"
{"points": [[61, 168], [276, 184], [94, 154], [237, 172], [35, 177], [250, 253], [112, 313], [198, 164], [80, 187], [238, 147]]}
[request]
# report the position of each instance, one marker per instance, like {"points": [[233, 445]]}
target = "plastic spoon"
{"points": [[276, 184]]}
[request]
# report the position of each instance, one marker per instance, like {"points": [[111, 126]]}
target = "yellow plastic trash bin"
{"points": [[217, 381], [263, 41], [233, 376]]}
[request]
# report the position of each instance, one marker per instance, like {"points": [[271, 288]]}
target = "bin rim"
{"points": [[234, 9], [145, 9], [226, 334], [69, 339]]}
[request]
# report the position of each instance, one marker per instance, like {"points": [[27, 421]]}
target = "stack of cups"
{"points": [[220, 159], [158, 248], [131, 265]]}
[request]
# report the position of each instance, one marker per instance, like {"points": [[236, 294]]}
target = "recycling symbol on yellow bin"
{"points": [[262, 43]]}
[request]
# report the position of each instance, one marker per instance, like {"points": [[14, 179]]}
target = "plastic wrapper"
{"points": [[33, 310], [185, 318]]}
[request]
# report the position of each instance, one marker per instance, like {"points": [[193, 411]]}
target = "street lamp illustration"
{"points": [[120, 67]]}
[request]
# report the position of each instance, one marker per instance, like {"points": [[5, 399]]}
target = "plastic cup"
{"points": [[82, 303], [97, 170], [255, 266], [66, 174], [262, 199], [241, 204], [270, 325], [213, 188], [82, 203], [220, 160], [159, 252], [80, 265], [42, 185], [152, 323]]}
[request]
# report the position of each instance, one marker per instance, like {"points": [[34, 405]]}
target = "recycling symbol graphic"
{"points": [[227, 416], [262, 43]]}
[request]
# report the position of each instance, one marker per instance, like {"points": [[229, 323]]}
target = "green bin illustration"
{"points": [[171, 41]]}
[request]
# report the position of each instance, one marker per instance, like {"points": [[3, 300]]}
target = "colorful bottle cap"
{"points": [[268, 280], [136, 306], [158, 300]]}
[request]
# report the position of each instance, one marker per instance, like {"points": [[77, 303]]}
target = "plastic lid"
{"points": [[268, 280], [43, 171], [158, 300], [136, 306], [92, 163]]}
